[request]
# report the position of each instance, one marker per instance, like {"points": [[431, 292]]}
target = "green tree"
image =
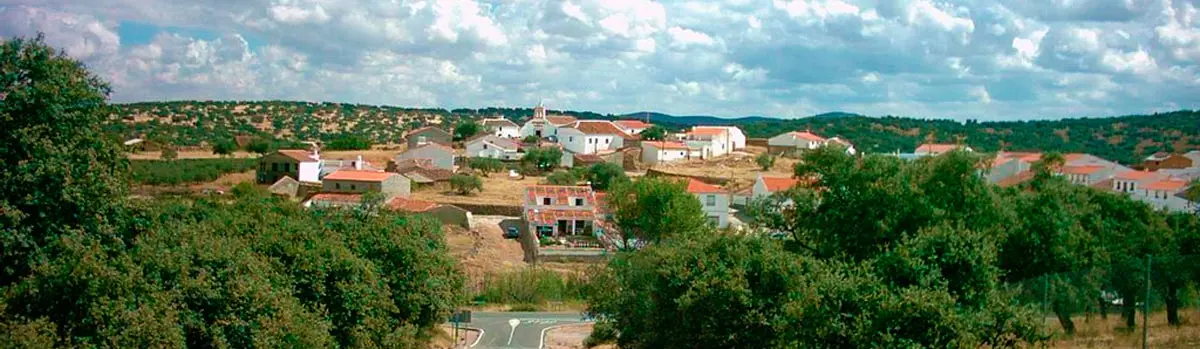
{"points": [[260, 146], [652, 209], [169, 153], [606, 175], [543, 159], [224, 147], [765, 161], [465, 184], [562, 177], [530, 139], [466, 129], [485, 165], [653, 133]]}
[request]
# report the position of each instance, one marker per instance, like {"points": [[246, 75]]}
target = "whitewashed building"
{"points": [[714, 201], [632, 127], [542, 125], [715, 141], [734, 135], [591, 137], [495, 147], [501, 127], [657, 152]]}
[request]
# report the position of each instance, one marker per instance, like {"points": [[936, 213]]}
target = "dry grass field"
{"points": [[739, 168], [1110, 333], [498, 189]]}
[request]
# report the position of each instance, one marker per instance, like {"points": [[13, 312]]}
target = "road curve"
{"points": [[499, 332]]}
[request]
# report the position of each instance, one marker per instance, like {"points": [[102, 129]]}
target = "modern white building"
{"points": [[591, 137], [714, 201], [657, 152], [715, 141], [734, 135], [495, 147], [299, 164], [502, 127]]}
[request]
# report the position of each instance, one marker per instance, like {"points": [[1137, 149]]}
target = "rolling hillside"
{"points": [[189, 123]]}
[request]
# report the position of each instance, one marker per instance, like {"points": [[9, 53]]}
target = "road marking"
{"points": [[513, 323], [542, 339], [477, 338]]}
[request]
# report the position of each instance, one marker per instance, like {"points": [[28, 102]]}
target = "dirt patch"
{"points": [[568, 337], [740, 171], [444, 339], [498, 189], [484, 250], [1110, 333]]}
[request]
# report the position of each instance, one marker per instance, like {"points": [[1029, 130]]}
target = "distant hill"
{"points": [[1126, 139]]}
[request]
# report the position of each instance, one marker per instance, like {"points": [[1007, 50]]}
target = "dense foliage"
{"points": [[654, 133], [83, 266], [485, 165], [542, 159], [348, 142], [605, 175], [170, 172], [464, 184], [563, 177], [653, 209], [466, 129]]}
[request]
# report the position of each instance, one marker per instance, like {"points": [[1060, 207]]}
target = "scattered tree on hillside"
{"points": [[169, 153], [562, 177], [543, 159], [765, 161], [485, 166], [224, 147], [464, 184], [530, 139], [260, 146]]}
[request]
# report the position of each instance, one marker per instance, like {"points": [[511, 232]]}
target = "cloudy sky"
{"points": [[983, 59]]}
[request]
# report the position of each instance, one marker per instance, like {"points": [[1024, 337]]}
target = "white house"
{"points": [[299, 164], [1162, 194], [797, 140], [632, 127], [439, 155], [716, 141], [714, 201], [491, 146], [737, 139], [502, 127], [930, 149], [346, 187], [554, 210], [591, 137], [765, 186], [844, 143], [657, 152], [542, 125]]}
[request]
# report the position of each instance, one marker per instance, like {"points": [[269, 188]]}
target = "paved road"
{"points": [[499, 332]]}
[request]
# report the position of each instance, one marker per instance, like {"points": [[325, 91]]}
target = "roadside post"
{"points": [[461, 316]]}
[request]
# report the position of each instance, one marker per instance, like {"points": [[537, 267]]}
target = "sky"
{"points": [[968, 59]]}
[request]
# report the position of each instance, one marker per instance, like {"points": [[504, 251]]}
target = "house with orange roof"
{"points": [[933, 149], [501, 127], [632, 127], [1165, 160], [346, 188], [559, 210], [1163, 194], [1132, 181], [766, 185], [592, 137], [713, 141], [299, 164], [714, 201]]}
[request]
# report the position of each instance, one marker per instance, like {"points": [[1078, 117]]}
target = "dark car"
{"points": [[512, 233]]}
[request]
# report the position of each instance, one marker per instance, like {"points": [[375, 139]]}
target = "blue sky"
{"points": [[988, 60]]}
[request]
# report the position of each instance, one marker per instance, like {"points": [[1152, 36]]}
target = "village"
{"points": [[571, 222]]}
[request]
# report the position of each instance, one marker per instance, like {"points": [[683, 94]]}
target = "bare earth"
{"points": [[739, 167], [571, 337], [498, 189], [1110, 333], [378, 156], [484, 250]]}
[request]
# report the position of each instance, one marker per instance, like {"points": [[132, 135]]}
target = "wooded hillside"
{"points": [[1126, 139]]}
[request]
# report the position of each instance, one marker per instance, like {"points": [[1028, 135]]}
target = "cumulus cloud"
{"points": [[990, 59]]}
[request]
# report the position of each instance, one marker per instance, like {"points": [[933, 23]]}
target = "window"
{"points": [[578, 201], [485, 146], [607, 140], [710, 200], [570, 139], [274, 166], [353, 187], [337, 186], [546, 201]]}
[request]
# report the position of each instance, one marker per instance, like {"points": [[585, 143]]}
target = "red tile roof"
{"points": [[707, 131], [499, 123], [602, 202], [560, 119], [560, 193], [1085, 169], [807, 136], [552, 216], [340, 198], [667, 145], [298, 154], [633, 123], [775, 184], [358, 176], [597, 127], [1022, 177], [1170, 185], [409, 205], [696, 186], [1136, 175], [588, 158], [936, 148]]}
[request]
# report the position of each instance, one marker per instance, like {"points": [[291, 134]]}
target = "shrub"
{"points": [[765, 161], [485, 165], [562, 177], [530, 139], [158, 172], [465, 184], [603, 332], [224, 147], [605, 175], [348, 142], [532, 286]]}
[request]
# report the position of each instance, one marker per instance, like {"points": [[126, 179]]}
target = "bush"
{"points": [[765, 161], [603, 332], [224, 147], [605, 175], [543, 159], [349, 142], [465, 184], [159, 172], [562, 177], [169, 153], [485, 165], [532, 286]]}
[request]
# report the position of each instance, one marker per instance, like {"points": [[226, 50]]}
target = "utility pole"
{"points": [[1146, 308]]}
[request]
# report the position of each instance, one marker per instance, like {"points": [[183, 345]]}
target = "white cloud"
{"points": [[972, 58]]}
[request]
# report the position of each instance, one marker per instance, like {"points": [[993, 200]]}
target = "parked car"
{"points": [[512, 233]]}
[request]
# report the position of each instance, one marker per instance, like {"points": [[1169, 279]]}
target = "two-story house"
{"points": [[1163, 194], [439, 155], [714, 201], [501, 127], [591, 137], [555, 210], [491, 146], [299, 164], [734, 135], [713, 141]]}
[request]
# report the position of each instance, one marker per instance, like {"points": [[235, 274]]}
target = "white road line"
{"points": [[513, 323], [477, 338], [542, 339]]}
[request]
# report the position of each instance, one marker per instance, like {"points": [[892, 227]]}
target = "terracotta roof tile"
{"points": [[807, 136], [560, 119], [1136, 175], [1085, 169], [1022, 177], [499, 123], [707, 131], [400, 203], [633, 123], [552, 216], [775, 184], [359, 176], [1170, 185], [667, 145], [596, 127], [297, 154], [696, 186], [560, 193]]}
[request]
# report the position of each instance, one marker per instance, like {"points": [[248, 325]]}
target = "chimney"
{"points": [[316, 152], [358, 163]]}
